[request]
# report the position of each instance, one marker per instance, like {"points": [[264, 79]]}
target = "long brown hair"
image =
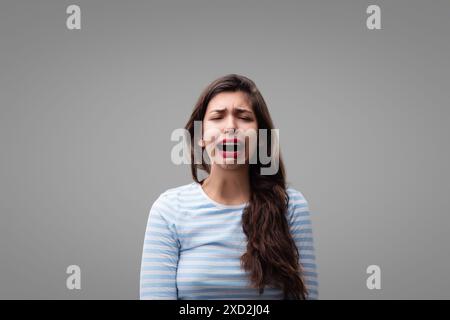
{"points": [[272, 257]]}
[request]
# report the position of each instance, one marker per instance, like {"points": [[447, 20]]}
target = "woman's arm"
{"points": [[301, 228], [160, 254]]}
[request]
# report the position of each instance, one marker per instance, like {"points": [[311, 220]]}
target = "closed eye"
{"points": [[245, 118]]}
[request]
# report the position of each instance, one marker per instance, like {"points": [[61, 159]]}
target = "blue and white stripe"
{"points": [[193, 245]]}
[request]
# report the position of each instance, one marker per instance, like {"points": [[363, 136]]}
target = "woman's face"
{"points": [[230, 129]]}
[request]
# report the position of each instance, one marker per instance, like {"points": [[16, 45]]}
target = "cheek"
{"points": [[252, 142], [254, 126], [211, 130], [208, 126]]}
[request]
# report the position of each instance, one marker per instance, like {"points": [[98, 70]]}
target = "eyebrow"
{"points": [[237, 109]]}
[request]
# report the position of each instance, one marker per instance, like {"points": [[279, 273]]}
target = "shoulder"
{"points": [[176, 194], [296, 197], [166, 208], [298, 206], [168, 201]]}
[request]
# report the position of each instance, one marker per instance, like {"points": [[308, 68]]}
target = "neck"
{"points": [[228, 187]]}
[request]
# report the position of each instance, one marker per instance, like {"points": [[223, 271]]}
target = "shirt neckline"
{"points": [[221, 205]]}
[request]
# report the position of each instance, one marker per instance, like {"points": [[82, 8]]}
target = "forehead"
{"points": [[229, 100]]}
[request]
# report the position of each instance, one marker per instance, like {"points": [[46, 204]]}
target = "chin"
{"points": [[230, 165]]}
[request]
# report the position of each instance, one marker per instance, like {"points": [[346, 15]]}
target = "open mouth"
{"points": [[229, 148], [230, 145]]}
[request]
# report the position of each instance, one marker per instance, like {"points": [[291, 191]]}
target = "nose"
{"points": [[230, 125], [229, 131]]}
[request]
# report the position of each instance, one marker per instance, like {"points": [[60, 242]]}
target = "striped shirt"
{"points": [[193, 245]]}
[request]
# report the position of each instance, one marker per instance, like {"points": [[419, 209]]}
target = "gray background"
{"points": [[86, 118]]}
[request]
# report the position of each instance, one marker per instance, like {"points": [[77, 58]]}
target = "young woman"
{"points": [[238, 233]]}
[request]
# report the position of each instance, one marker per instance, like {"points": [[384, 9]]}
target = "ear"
{"points": [[201, 143]]}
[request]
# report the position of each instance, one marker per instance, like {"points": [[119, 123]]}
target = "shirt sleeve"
{"points": [[302, 231], [160, 254]]}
